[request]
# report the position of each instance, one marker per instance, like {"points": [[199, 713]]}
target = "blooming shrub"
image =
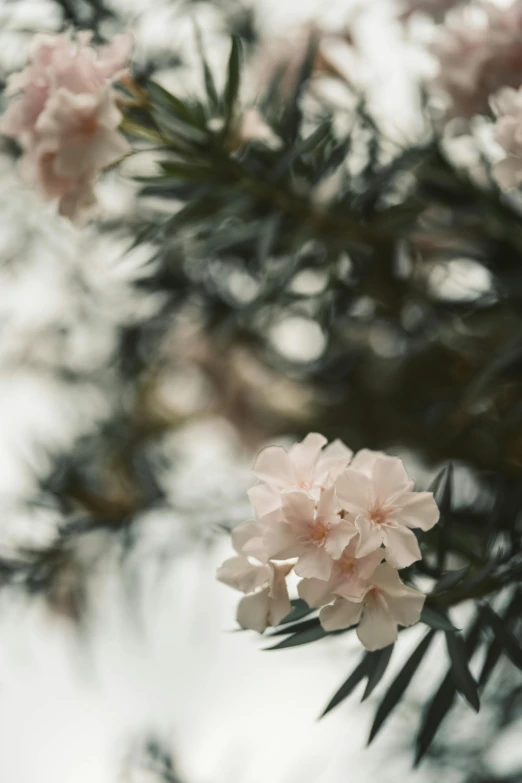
{"points": [[64, 115], [341, 522]]}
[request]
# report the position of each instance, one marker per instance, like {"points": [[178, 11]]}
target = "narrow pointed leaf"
{"points": [[450, 579], [462, 677], [435, 713], [442, 701], [504, 635], [358, 674], [311, 634], [305, 625], [397, 688], [378, 661], [437, 619], [442, 487], [233, 80]]}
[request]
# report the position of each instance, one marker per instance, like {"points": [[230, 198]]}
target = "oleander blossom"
{"points": [[64, 114], [507, 108], [479, 50], [332, 518], [387, 603]]}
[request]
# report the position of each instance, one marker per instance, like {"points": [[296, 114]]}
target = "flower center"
{"points": [[318, 532], [345, 565], [90, 126], [378, 515]]}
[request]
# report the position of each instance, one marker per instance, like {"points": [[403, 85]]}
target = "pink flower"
{"points": [[479, 51], [64, 116], [306, 466], [387, 603], [314, 533], [350, 577], [266, 602], [384, 509], [83, 129], [507, 107]]}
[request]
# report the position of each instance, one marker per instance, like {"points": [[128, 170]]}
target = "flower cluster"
{"points": [[64, 115], [341, 522], [479, 50]]}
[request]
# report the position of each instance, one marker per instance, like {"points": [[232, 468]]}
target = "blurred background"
{"points": [[127, 435]]}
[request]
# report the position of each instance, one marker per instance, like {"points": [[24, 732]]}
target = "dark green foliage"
{"points": [[396, 690]]}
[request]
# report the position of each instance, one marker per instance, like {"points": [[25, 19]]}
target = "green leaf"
{"points": [[504, 635], [233, 80], [460, 672], [300, 609], [311, 634], [210, 85], [349, 685], [377, 663], [397, 688], [442, 701], [450, 579], [293, 116], [437, 619], [496, 648], [442, 487], [302, 626], [435, 713], [170, 103]]}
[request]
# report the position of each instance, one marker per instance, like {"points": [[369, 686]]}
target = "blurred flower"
{"points": [[434, 8], [386, 604], [507, 107], [479, 51], [65, 117], [384, 508]]}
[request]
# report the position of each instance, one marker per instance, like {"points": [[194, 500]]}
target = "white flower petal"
{"points": [[400, 546], [242, 534], [389, 477], [273, 465], [280, 604], [416, 509], [266, 502], [253, 611], [304, 456], [407, 609], [298, 509], [314, 562], [377, 629], [242, 575], [341, 614], [333, 460], [280, 541], [371, 536], [364, 460], [354, 491], [339, 536], [316, 592], [327, 506]]}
